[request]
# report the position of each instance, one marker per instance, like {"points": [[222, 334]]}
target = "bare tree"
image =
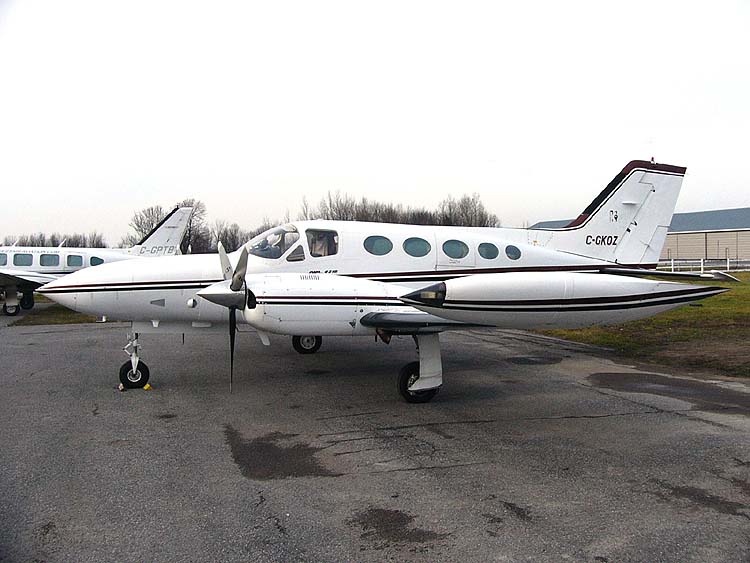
{"points": [[230, 236], [81, 240], [466, 211], [197, 239], [143, 223]]}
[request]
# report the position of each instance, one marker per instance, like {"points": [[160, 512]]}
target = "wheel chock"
{"points": [[147, 387], [121, 388]]}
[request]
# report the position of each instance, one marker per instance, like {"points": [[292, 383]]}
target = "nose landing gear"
{"points": [[134, 373]]}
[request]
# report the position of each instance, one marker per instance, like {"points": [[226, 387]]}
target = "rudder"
{"points": [[627, 222]]}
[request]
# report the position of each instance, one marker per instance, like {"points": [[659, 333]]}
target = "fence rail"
{"points": [[703, 265]]}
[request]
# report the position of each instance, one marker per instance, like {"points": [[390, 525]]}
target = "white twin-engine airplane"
{"points": [[311, 279], [25, 268]]}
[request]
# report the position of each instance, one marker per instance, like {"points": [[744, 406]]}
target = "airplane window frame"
{"points": [[495, 251], [291, 256], [69, 265], [264, 246], [513, 252], [464, 249], [374, 240], [92, 258], [3, 259], [55, 260], [417, 240], [24, 254], [334, 238]]}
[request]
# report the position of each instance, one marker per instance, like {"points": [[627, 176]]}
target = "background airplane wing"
{"points": [[21, 278], [415, 322]]}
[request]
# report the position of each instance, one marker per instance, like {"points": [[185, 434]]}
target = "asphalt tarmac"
{"points": [[534, 450]]}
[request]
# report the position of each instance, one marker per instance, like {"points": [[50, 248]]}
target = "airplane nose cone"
{"points": [[56, 291]]}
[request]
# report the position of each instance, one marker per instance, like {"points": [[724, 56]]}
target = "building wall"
{"points": [[734, 245]]}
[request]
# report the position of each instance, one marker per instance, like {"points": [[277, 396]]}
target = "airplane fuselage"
{"points": [[159, 294]]}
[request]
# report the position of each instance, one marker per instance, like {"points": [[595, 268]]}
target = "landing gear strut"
{"points": [[133, 373], [419, 382], [307, 344]]}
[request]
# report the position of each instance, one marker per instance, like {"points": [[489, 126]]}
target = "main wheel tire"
{"points": [[406, 377], [10, 310], [307, 344], [135, 380], [27, 301]]}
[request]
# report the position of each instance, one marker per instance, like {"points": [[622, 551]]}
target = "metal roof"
{"points": [[715, 220]]}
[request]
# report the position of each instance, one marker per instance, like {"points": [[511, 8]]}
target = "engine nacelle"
{"points": [[529, 300], [317, 304]]}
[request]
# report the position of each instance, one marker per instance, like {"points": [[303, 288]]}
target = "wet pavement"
{"points": [[533, 450]]}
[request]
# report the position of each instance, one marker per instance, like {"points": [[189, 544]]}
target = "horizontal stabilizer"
{"points": [[714, 275]]}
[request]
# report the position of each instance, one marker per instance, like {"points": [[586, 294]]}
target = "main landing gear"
{"points": [[133, 373], [27, 300], [419, 382], [307, 344], [10, 310], [10, 307]]}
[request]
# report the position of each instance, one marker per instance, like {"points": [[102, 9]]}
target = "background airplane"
{"points": [[25, 268], [282, 281]]}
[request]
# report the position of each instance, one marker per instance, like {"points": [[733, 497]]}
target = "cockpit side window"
{"points": [[296, 255], [273, 243], [322, 243]]}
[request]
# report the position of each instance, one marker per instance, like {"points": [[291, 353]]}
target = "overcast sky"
{"points": [[109, 107]]}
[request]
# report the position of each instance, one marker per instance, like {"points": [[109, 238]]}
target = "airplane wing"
{"points": [[24, 279], [415, 322], [715, 275]]}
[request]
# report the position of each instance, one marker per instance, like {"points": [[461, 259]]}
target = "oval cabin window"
{"points": [[455, 249], [417, 247], [377, 245], [512, 252], [488, 251]]}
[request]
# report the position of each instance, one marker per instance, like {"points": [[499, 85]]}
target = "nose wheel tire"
{"points": [[10, 310], [408, 375], [307, 344], [133, 380]]}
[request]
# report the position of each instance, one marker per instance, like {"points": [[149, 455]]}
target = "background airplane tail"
{"points": [[165, 238], [627, 222]]}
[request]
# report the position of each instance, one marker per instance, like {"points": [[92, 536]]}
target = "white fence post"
{"points": [[702, 266]]}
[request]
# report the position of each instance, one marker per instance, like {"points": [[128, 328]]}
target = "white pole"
{"points": [[673, 264], [702, 266]]}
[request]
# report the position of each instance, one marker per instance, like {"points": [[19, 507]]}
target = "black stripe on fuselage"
{"points": [[584, 300], [386, 277], [563, 307]]}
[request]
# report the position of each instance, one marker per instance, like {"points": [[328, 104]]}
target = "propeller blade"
{"points": [[226, 267], [239, 272], [232, 330]]}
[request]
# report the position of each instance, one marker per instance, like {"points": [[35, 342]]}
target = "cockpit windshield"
{"points": [[273, 243]]}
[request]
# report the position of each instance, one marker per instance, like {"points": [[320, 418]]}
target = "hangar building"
{"points": [[710, 235]]}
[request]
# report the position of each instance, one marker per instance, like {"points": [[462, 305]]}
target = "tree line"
{"points": [[203, 237]]}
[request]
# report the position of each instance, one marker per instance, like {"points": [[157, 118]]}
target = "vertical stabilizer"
{"points": [[627, 222], [165, 238]]}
